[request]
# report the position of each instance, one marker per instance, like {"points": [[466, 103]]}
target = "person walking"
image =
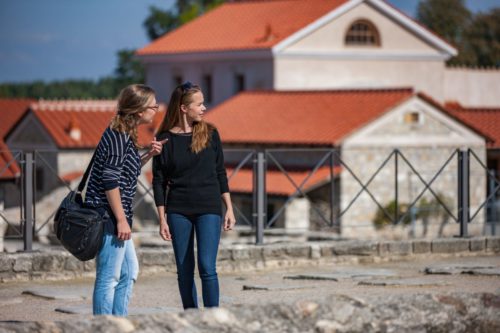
{"points": [[111, 188], [191, 167]]}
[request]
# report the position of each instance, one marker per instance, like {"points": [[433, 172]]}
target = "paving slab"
{"points": [[55, 294], [15, 300], [402, 283], [346, 274], [462, 269], [273, 287]]}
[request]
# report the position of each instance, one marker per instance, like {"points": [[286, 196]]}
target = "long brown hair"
{"points": [[132, 100], [183, 95]]}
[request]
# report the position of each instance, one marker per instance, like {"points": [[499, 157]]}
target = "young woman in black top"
{"points": [[191, 167]]}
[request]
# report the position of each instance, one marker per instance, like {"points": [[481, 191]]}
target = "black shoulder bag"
{"points": [[79, 228]]}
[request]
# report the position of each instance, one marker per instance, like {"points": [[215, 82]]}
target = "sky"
{"points": [[52, 40]]}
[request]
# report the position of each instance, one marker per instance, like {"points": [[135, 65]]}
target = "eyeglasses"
{"points": [[155, 107], [186, 86]]}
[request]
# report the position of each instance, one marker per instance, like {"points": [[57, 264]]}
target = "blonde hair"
{"points": [[132, 100], [183, 95]]}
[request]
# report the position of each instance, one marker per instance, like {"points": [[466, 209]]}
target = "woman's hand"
{"points": [[164, 230], [156, 146], [229, 220], [124, 232]]}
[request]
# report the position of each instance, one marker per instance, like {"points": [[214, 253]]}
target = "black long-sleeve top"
{"points": [[195, 182]]}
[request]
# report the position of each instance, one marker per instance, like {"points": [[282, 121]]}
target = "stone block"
{"points": [[421, 246], [73, 264], [390, 248], [273, 251], [355, 248], [6, 263], [298, 250], [23, 263], [48, 263], [89, 266], [493, 244], [450, 245], [224, 254], [477, 244], [315, 251], [256, 253], [240, 254], [153, 258], [327, 250]]}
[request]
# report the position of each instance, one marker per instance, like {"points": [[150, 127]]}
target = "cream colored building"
{"points": [[392, 50]]}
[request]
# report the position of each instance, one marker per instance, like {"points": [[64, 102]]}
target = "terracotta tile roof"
{"points": [[276, 181], [11, 110], [90, 117], [301, 117], [242, 26], [485, 120], [9, 169]]}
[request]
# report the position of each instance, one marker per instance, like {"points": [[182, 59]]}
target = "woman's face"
{"points": [[196, 109], [146, 117]]}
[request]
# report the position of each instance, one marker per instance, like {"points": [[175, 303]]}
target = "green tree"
{"points": [[482, 39], [129, 69], [449, 19], [161, 21]]}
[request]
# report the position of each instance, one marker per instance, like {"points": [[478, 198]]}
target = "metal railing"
{"points": [[261, 163]]}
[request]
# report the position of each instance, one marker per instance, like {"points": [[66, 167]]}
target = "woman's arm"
{"points": [[164, 231], [156, 148], [115, 202], [229, 219], [112, 169]]}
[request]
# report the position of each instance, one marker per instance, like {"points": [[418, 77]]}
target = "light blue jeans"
{"points": [[116, 272]]}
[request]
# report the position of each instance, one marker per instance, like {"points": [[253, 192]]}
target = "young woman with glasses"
{"points": [[111, 188]]}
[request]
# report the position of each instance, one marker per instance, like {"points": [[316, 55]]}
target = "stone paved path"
{"points": [[62, 300]]}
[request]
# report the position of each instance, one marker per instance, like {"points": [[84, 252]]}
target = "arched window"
{"points": [[362, 33]]}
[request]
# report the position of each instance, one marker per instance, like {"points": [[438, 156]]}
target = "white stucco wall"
{"points": [[309, 74], [472, 87], [258, 75], [394, 37]]}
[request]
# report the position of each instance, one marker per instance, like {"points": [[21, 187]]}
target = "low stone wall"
{"points": [[336, 314], [59, 264]]}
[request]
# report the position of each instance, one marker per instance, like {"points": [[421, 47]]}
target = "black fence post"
{"points": [[28, 201], [463, 191], [261, 191]]}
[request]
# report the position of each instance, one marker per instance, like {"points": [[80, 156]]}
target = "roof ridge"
{"points": [[75, 105], [339, 90]]}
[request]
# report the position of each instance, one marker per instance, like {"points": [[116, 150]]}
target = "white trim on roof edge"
{"points": [[342, 55], [207, 55], [385, 8]]}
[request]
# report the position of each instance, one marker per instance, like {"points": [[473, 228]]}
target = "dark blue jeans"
{"points": [[207, 228]]}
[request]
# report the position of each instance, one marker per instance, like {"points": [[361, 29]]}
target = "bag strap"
{"points": [[86, 174]]}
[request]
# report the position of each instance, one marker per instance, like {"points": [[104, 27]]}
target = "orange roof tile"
{"points": [[484, 120], [301, 117], [91, 118], [9, 169], [11, 110], [276, 181], [242, 26]]}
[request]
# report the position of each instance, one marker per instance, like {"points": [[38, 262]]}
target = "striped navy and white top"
{"points": [[117, 164]]}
